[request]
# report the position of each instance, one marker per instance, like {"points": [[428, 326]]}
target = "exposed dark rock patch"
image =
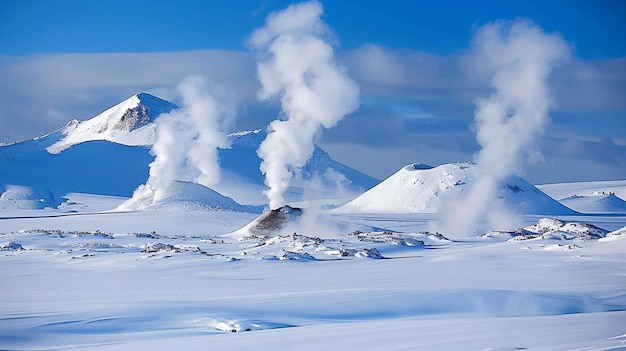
{"points": [[275, 220]]}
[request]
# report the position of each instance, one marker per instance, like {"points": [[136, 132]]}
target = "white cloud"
{"points": [[40, 93], [82, 85]]}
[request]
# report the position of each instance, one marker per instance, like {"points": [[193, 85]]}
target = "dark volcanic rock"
{"points": [[275, 220]]}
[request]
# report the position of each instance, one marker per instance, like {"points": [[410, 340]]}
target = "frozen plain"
{"points": [[169, 278]]}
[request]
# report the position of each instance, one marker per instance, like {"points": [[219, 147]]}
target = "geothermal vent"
{"points": [[275, 220]]}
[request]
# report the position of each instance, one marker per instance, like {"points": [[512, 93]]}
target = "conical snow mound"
{"points": [[127, 123], [190, 195], [275, 220], [272, 222], [418, 188]]}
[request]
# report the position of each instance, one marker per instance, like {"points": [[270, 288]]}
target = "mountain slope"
{"points": [[109, 155], [590, 197], [127, 123], [599, 202], [96, 167], [563, 190], [321, 178], [418, 188]]}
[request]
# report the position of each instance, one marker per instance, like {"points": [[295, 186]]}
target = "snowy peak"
{"points": [[109, 154], [420, 188], [127, 123], [148, 108], [136, 112]]}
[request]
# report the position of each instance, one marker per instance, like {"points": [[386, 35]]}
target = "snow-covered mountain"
{"points": [[127, 123], [321, 178], [109, 154], [423, 189]]}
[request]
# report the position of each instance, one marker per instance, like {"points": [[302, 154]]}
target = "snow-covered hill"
{"points": [[109, 155], [189, 196], [590, 197], [599, 202], [20, 197], [563, 190], [420, 188]]}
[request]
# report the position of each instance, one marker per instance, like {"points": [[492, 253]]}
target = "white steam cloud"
{"points": [[510, 121], [187, 141], [297, 66]]}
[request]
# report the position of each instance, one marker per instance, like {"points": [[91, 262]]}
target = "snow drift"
{"points": [[22, 197]]}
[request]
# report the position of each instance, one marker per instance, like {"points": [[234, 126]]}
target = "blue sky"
{"points": [[72, 59], [443, 27]]}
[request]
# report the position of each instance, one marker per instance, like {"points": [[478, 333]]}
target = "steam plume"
{"points": [[297, 66], [510, 121], [187, 141]]}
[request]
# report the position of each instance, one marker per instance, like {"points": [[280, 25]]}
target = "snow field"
{"points": [[107, 281]]}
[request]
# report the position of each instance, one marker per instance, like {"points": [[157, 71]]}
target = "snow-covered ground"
{"points": [[85, 277]]}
